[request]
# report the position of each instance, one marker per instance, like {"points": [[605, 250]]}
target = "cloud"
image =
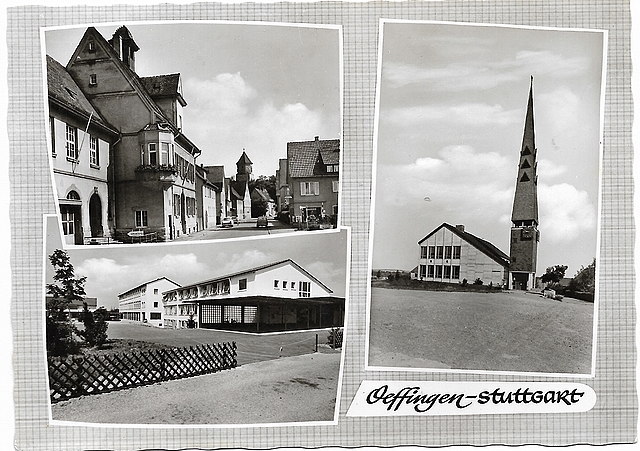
{"points": [[565, 213], [549, 169], [228, 115], [459, 179], [463, 114], [483, 73]]}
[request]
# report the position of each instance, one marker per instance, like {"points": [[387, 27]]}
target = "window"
{"points": [[438, 272], [430, 271], [142, 154], [52, 129], [293, 286], [423, 271], [447, 252], [141, 218], [94, 154], [156, 315], [335, 186], [438, 251], [91, 46], [455, 272], [305, 289], [164, 154], [72, 142], [155, 291], [447, 272], [93, 80], [284, 284], [242, 284], [153, 154], [155, 304], [334, 209], [276, 284], [456, 252], [67, 222], [432, 252], [423, 251], [309, 188], [176, 204]]}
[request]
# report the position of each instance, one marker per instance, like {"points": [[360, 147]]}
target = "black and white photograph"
{"points": [[193, 131], [231, 332], [486, 202]]}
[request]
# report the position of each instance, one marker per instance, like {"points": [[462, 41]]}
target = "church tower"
{"points": [[244, 168], [524, 217]]}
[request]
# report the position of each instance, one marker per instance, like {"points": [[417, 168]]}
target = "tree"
{"points": [[95, 326], [66, 289], [554, 274], [585, 279]]}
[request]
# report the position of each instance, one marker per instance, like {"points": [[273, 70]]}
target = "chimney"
{"points": [[460, 227], [317, 138]]}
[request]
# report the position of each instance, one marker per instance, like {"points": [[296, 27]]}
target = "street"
{"points": [[239, 230]]}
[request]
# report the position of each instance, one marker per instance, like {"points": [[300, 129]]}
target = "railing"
{"points": [[79, 376]]}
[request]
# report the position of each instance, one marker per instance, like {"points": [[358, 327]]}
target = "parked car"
{"points": [[227, 222], [262, 222]]}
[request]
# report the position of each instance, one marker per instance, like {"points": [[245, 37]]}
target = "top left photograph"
{"points": [[176, 131]]}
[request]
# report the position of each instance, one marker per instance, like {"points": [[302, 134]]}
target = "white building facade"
{"points": [[450, 254], [143, 303]]}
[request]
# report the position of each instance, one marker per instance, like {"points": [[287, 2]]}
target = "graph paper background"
{"points": [[612, 420]]}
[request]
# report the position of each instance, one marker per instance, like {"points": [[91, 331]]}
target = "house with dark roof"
{"points": [[207, 196], [273, 297], [81, 141], [313, 180], [451, 254], [152, 177], [215, 176], [262, 204]]}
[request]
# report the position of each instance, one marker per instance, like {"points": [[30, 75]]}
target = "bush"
{"points": [[478, 281], [60, 338], [465, 282], [335, 337], [95, 326]]}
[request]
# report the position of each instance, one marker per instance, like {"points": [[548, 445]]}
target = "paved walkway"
{"points": [[293, 389]]}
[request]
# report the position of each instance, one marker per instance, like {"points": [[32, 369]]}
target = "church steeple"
{"points": [[524, 216], [525, 201]]}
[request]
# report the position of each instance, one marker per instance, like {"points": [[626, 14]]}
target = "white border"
{"points": [[596, 306], [345, 328], [45, 89]]}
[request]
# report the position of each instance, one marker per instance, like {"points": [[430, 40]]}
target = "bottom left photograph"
{"points": [[239, 332]]}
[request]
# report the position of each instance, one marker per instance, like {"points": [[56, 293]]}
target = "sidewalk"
{"points": [[292, 389]]}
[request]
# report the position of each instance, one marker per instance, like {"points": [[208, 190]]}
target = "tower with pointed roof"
{"points": [[244, 168], [524, 217]]}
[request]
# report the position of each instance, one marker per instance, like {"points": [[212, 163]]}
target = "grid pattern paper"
{"points": [[614, 417]]}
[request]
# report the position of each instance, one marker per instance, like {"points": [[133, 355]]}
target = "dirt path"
{"points": [[291, 389]]}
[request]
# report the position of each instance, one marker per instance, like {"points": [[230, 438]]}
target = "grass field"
{"points": [[502, 331], [251, 347]]}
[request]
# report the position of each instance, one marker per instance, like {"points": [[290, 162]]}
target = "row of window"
{"points": [[304, 288], [313, 188], [449, 252], [72, 146], [440, 271]]}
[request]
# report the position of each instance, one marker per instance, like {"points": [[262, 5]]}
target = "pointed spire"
{"points": [[525, 202]]}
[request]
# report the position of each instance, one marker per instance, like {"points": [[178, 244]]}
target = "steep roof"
{"points": [[483, 246], [159, 86], [215, 174], [65, 91], [260, 268], [244, 159], [303, 155]]}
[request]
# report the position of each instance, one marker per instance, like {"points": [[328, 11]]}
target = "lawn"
{"points": [[501, 331]]}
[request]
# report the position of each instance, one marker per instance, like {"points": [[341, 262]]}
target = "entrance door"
{"points": [[95, 216], [71, 224], [520, 280]]}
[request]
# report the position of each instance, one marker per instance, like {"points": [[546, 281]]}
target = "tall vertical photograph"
{"points": [[178, 131], [485, 206]]}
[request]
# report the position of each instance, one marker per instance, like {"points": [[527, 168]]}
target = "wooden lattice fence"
{"points": [[78, 376]]}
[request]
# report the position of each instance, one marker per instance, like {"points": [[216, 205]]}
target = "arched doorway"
{"points": [[71, 217], [95, 216]]}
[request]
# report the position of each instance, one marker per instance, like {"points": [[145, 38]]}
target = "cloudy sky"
{"points": [[452, 104], [113, 270], [252, 87]]}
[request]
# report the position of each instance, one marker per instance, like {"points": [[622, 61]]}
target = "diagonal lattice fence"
{"points": [[78, 376]]}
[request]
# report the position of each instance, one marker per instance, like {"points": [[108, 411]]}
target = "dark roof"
{"points": [[163, 86], [482, 245], [215, 174], [244, 159], [263, 194], [238, 189], [259, 268], [63, 89], [303, 155]]}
